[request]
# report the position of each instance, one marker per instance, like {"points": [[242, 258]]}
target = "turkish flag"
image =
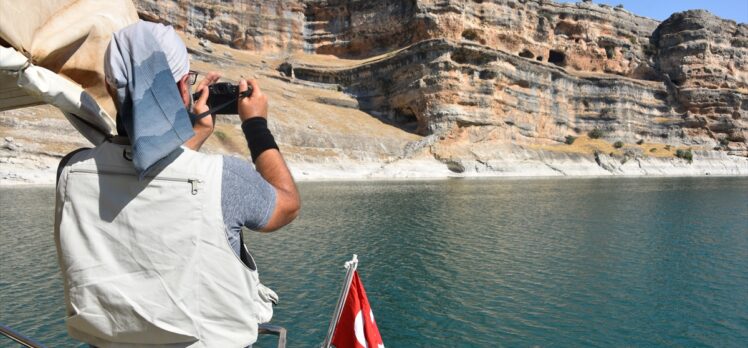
{"points": [[356, 327]]}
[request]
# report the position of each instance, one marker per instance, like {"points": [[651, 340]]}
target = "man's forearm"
{"points": [[270, 164], [273, 168], [197, 141]]}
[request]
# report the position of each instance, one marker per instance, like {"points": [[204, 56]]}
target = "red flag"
{"points": [[356, 327]]}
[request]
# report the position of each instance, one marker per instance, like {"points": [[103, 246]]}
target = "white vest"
{"points": [[148, 262]]}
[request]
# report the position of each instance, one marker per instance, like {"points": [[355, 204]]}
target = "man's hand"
{"points": [[203, 127], [254, 106]]}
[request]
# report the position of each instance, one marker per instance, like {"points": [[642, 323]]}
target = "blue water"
{"points": [[470, 263]]}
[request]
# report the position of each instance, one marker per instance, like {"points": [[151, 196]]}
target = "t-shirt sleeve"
{"points": [[246, 198]]}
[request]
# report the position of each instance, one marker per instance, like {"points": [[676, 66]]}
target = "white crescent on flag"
{"points": [[358, 328]]}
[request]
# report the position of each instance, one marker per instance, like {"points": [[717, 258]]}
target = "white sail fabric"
{"points": [[53, 52], [43, 86]]}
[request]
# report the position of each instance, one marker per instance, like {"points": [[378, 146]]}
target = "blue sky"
{"points": [[736, 10]]}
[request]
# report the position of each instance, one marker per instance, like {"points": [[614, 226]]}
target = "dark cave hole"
{"points": [[405, 119], [526, 54], [557, 57]]}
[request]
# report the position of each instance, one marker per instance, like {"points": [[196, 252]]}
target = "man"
{"points": [[148, 230]]}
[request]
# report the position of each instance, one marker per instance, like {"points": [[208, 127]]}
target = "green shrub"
{"points": [[618, 144], [688, 155], [654, 149], [595, 133], [724, 141], [667, 147], [632, 39], [220, 135], [684, 154], [570, 139]]}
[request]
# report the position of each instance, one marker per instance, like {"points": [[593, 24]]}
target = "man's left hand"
{"points": [[201, 104], [203, 127]]}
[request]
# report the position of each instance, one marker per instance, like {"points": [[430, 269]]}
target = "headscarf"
{"points": [[143, 63]]}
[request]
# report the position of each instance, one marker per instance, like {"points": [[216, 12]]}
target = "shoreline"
{"points": [[26, 172], [20, 184]]}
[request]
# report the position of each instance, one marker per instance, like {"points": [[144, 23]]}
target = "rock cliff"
{"points": [[260, 26], [704, 61], [399, 88], [544, 69]]}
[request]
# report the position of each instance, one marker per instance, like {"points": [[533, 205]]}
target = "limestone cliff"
{"points": [[466, 87], [536, 72], [253, 25]]}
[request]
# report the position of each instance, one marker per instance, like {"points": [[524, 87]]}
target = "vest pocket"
{"points": [[105, 312]]}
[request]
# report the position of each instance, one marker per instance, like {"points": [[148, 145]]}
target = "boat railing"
{"points": [[263, 329], [19, 338], [269, 329]]}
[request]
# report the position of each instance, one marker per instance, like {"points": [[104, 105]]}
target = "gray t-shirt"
{"points": [[246, 198]]}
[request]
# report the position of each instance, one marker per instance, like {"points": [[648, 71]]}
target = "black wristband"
{"points": [[258, 136]]}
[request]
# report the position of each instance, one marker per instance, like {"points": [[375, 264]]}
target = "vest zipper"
{"points": [[194, 183]]}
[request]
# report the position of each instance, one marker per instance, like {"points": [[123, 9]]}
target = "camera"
{"points": [[223, 95]]}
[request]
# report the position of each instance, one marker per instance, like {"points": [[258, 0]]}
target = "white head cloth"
{"points": [[170, 43], [142, 64]]}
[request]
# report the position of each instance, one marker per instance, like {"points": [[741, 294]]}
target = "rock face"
{"points": [[706, 59], [534, 72], [479, 87], [274, 25], [583, 36]]}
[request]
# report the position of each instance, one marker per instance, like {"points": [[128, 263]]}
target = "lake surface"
{"points": [[469, 263]]}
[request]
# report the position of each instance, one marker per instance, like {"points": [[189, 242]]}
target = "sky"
{"points": [[736, 10]]}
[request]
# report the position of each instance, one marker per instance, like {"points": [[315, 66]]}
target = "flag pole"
{"points": [[350, 267]]}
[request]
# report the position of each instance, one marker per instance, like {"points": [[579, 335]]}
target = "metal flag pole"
{"points": [[350, 267]]}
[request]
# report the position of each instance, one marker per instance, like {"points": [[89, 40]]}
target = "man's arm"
{"points": [[203, 127], [269, 162]]}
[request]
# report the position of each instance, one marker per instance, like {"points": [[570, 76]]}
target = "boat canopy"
{"points": [[52, 52]]}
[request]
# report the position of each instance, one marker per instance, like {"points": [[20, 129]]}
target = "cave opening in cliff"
{"points": [[526, 54], [557, 57], [473, 35], [405, 119]]}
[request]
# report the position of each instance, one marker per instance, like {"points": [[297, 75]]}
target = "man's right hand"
{"points": [[254, 106]]}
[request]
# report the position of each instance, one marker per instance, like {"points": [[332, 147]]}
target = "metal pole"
{"points": [[18, 338], [350, 266]]}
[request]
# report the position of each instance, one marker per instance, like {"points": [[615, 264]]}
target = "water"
{"points": [[470, 263]]}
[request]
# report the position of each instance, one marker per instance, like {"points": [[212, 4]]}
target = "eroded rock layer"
{"points": [[705, 59], [538, 70], [261, 26], [499, 87], [584, 36]]}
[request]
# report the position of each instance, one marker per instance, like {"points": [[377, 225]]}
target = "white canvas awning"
{"points": [[53, 52]]}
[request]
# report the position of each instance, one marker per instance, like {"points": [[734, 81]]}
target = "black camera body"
{"points": [[226, 94]]}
